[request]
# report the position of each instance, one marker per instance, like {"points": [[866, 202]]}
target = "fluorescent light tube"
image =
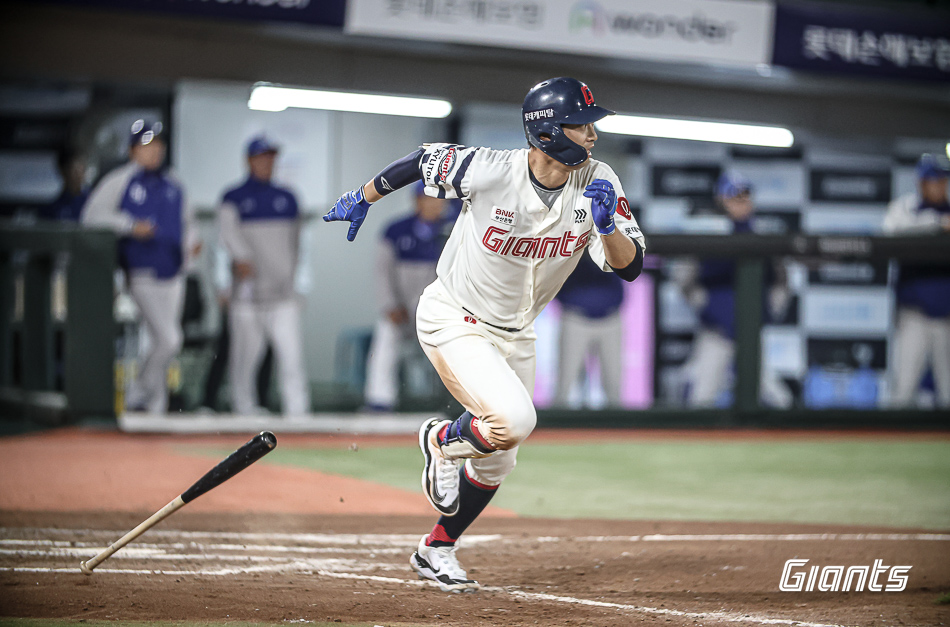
{"points": [[272, 98], [721, 132]]}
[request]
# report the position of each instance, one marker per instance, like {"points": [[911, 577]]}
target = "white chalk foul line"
{"points": [[726, 617], [404, 540], [411, 540], [762, 537], [165, 547]]}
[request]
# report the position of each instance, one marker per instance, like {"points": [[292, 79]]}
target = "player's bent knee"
{"points": [[512, 426]]}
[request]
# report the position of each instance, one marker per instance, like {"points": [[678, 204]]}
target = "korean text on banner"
{"points": [[905, 45], [731, 32]]}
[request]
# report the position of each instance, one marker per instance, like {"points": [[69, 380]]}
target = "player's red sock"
{"points": [[473, 498]]}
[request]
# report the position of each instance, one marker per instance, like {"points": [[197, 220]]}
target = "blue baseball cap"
{"points": [[932, 167], [260, 145], [143, 132], [419, 188], [732, 183]]}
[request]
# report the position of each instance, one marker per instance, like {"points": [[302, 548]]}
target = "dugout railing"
{"points": [[57, 335]]}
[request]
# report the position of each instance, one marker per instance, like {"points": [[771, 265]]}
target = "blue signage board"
{"points": [[317, 12], [908, 45]]}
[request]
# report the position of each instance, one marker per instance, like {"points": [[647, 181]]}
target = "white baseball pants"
{"points": [[710, 367], [581, 336], [252, 326], [920, 341], [710, 370], [383, 363], [489, 371], [160, 302]]}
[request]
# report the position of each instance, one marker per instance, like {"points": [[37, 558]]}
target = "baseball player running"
{"points": [[527, 216]]}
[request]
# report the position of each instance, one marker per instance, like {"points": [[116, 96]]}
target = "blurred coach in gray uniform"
{"points": [[405, 265], [260, 227]]}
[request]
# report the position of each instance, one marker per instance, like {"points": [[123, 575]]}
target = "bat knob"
{"points": [[85, 569]]}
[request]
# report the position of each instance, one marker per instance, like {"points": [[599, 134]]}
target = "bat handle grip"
{"points": [[88, 566]]}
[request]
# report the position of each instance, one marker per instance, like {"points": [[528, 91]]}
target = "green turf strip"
{"points": [[901, 483]]}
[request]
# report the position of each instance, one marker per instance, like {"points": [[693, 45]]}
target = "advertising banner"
{"points": [[705, 31], [863, 42]]}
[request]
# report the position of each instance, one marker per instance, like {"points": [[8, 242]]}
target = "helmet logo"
{"points": [[588, 97]]}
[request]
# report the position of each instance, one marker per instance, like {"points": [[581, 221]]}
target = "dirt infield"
{"points": [[307, 556], [295, 568]]}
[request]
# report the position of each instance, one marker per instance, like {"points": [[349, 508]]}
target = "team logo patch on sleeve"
{"points": [[623, 208], [446, 163]]}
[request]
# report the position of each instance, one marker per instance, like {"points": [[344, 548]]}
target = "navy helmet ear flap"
{"points": [[559, 147]]}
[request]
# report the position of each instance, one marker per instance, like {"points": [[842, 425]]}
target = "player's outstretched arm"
{"points": [[353, 206]]}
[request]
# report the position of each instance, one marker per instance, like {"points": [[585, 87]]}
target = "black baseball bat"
{"points": [[254, 449]]}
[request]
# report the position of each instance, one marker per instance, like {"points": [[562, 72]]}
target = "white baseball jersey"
{"points": [[509, 254], [905, 217]]}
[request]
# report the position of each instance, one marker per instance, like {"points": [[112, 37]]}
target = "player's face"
{"points": [[151, 155], [934, 191], [739, 207], [262, 166], [581, 134]]}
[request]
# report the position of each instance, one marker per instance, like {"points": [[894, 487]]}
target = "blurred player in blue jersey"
{"points": [[710, 367], [69, 204], [405, 264], [145, 205], [923, 290]]}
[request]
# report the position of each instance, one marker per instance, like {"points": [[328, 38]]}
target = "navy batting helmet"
{"points": [[552, 103], [732, 183], [932, 167]]}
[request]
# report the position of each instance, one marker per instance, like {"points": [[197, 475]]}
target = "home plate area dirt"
{"points": [[299, 568]]}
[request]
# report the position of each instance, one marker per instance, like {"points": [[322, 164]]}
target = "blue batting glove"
{"points": [[603, 204], [351, 207]]}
